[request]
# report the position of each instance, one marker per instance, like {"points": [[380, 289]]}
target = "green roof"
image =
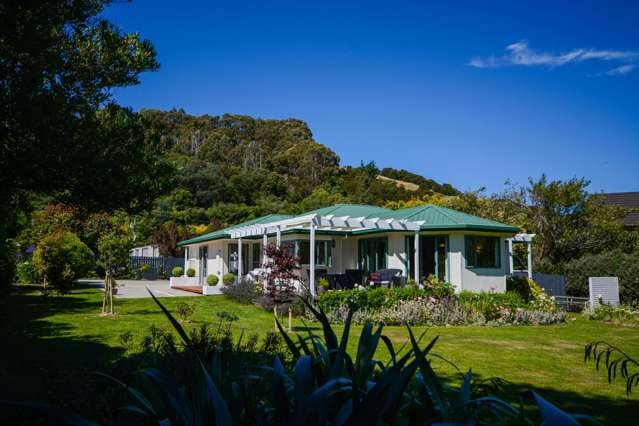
{"points": [[353, 210], [434, 218], [226, 232], [441, 218]]}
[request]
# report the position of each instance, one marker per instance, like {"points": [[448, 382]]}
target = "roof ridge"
{"points": [[444, 211]]}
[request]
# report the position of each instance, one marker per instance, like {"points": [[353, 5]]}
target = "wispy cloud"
{"points": [[623, 69], [519, 54]]}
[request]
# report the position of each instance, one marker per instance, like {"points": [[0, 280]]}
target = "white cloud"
{"points": [[521, 55], [621, 70]]}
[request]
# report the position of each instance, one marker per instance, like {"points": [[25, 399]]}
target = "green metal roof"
{"points": [[441, 218], [434, 218], [353, 210], [225, 233]]}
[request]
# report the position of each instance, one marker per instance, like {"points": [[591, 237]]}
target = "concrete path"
{"points": [[136, 289]]}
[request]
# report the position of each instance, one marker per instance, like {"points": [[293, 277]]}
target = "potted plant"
{"points": [[212, 280]]}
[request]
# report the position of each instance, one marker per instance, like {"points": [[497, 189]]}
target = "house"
{"points": [[627, 200], [145, 251], [470, 252]]}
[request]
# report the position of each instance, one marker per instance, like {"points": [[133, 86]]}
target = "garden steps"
{"points": [[193, 289]]}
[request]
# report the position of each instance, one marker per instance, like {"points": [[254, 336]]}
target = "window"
{"points": [[482, 252], [433, 251], [301, 249], [234, 258], [257, 256], [372, 253]]}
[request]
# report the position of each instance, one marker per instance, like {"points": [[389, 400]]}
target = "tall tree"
{"points": [[60, 133]]}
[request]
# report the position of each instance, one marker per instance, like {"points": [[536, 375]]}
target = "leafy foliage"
{"points": [[244, 292], [625, 266], [178, 271], [228, 278], [184, 311], [212, 280], [616, 362], [283, 267], [60, 258], [190, 272]]}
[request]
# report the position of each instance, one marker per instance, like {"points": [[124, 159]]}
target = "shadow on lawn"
{"points": [[40, 360]]}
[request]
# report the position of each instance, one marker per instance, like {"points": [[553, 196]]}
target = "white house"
{"points": [[470, 252], [146, 251]]}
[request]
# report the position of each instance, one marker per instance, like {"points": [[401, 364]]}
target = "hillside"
{"points": [[234, 167]]}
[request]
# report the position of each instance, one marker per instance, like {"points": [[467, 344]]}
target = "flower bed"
{"points": [[417, 307]]}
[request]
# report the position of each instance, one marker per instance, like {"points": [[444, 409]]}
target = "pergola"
{"points": [[521, 239], [315, 222]]}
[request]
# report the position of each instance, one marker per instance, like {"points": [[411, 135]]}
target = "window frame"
{"points": [[473, 265]]}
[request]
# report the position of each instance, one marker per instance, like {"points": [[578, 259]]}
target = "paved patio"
{"points": [[137, 289]]}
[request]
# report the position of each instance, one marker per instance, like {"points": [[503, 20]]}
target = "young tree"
{"points": [[280, 280], [113, 253]]}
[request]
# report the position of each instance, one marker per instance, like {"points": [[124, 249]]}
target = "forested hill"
{"points": [[234, 167]]}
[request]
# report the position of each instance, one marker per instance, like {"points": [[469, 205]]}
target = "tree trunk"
{"points": [[275, 317], [290, 319]]}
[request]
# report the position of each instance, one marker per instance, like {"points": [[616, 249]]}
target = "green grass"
{"points": [[50, 346]]}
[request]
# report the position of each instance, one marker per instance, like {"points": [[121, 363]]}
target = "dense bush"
{"points": [[184, 311], [625, 266], [244, 291], [60, 258], [26, 273], [623, 314], [228, 278], [178, 271], [190, 272], [212, 280]]}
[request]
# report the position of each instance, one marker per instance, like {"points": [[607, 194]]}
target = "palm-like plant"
{"points": [[616, 362]]}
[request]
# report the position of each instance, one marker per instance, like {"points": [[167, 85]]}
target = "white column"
{"points": [[417, 257], [529, 245], [264, 245], [511, 263], [239, 259], [278, 237], [312, 260], [186, 258]]}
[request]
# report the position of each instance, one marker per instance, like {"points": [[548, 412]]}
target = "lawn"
{"points": [[51, 345]]}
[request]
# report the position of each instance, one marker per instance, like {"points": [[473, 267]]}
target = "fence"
{"points": [[571, 303], [554, 285], [160, 266]]}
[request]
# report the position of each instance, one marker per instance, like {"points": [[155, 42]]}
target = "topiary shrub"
{"points": [[190, 272], [60, 258], [212, 280], [228, 278], [178, 271]]}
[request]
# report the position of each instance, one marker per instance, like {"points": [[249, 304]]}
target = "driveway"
{"points": [[136, 289]]}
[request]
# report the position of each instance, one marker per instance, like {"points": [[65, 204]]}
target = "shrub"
{"points": [[375, 298], [190, 272], [60, 258], [490, 305], [244, 292], [228, 278], [212, 280], [178, 271], [144, 268], [26, 273], [184, 311], [623, 314], [625, 266], [521, 286]]}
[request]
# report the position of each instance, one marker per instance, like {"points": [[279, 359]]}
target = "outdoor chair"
{"points": [[386, 277]]}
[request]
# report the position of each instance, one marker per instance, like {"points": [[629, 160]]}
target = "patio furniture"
{"points": [[338, 281], [355, 277], [386, 278]]}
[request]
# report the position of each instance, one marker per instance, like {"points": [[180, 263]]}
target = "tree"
{"points": [[113, 253], [166, 237], [280, 280], [61, 258], [60, 134]]}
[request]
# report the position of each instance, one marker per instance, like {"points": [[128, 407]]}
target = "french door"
{"points": [[433, 256]]}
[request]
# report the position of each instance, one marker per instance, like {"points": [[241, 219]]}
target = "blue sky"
{"points": [[468, 94]]}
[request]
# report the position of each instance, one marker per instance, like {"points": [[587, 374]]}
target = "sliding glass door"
{"points": [[372, 253], [433, 256]]}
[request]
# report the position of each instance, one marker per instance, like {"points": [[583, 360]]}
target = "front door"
{"points": [[204, 255]]}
